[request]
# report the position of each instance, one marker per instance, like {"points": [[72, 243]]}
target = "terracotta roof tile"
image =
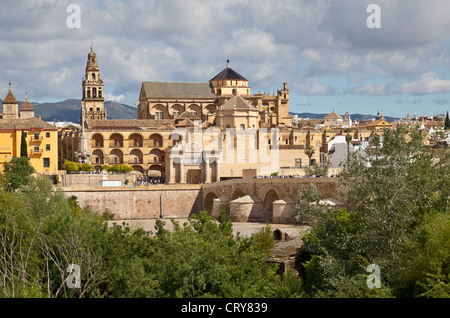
{"points": [[237, 102], [333, 115], [10, 99], [179, 90], [30, 123], [26, 106]]}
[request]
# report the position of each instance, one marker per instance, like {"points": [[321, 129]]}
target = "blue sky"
{"points": [[323, 49]]}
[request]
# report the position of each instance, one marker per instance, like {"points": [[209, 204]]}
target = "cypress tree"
{"points": [[447, 122], [23, 146]]}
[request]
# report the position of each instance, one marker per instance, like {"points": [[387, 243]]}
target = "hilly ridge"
{"points": [[358, 117], [69, 110]]}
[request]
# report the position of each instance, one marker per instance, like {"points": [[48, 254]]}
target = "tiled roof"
{"points": [[228, 74], [333, 115], [30, 123], [178, 90], [188, 115], [185, 123], [127, 123], [237, 102], [379, 122], [10, 99], [26, 106]]}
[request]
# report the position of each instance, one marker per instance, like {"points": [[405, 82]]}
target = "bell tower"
{"points": [[10, 106], [93, 100]]}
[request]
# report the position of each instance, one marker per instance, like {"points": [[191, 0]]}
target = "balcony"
{"points": [[135, 162], [37, 151], [36, 138]]}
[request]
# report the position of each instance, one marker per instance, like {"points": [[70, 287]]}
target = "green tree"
{"points": [[348, 139], [20, 235], [309, 151], [424, 269], [317, 171], [391, 189], [71, 166], [86, 167], [204, 259], [17, 173], [447, 122], [23, 146], [119, 168]]}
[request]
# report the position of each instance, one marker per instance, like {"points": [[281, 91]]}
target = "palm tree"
{"points": [[309, 151]]}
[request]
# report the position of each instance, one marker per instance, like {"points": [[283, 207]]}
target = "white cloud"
{"points": [[429, 83], [312, 86], [370, 89], [315, 46], [112, 98]]}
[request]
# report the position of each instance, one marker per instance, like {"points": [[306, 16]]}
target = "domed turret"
{"points": [[229, 82]]}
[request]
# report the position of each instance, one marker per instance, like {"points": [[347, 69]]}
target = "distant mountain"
{"points": [[69, 110], [358, 117]]}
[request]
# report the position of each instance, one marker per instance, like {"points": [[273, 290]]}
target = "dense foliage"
{"points": [[118, 168], [16, 173], [72, 166], [399, 197], [42, 232]]}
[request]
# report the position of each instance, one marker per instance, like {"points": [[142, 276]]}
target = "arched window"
{"points": [[93, 76], [88, 92], [94, 92]]}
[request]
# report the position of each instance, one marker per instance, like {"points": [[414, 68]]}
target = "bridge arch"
{"points": [[209, 202], [237, 193], [269, 198]]}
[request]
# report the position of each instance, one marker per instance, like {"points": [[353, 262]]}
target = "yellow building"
{"points": [[41, 138]]}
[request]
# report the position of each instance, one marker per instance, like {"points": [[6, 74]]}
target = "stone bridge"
{"points": [[257, 200], [264, 199]]}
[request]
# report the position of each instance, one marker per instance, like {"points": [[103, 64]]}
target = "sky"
{"points": [[324, 49]]}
